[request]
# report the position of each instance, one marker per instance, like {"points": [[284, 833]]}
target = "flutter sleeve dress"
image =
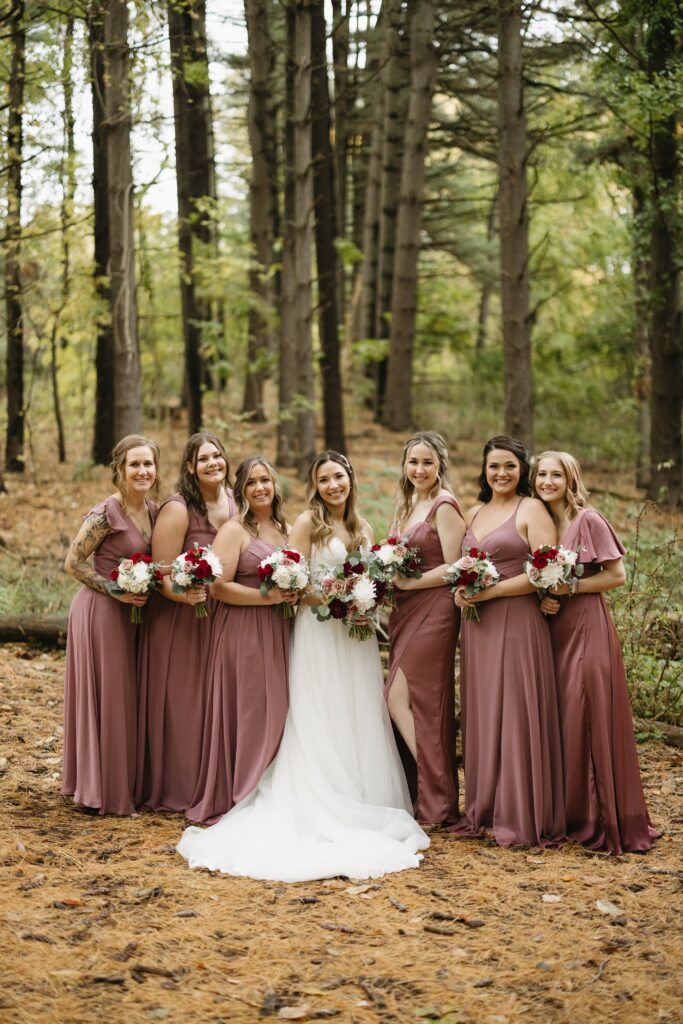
{"points": [[604, 799], [100, 686]]}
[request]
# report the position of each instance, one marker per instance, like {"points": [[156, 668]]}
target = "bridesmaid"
{"points": [[510, 722], [174, 653], [100, 687], [604, 799], [247, 695], [424, 626]]}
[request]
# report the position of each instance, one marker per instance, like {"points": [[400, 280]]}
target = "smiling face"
{"points": [[140, 470], [210, 466], [503, 471], [333, 484], [550, 480], [259, 489], [421, 467]]}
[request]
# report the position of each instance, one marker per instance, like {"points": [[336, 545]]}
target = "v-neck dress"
{"points": [[423, 633], [247, 695], [174, 657], [605, 804], [510, 722], [100, 685]]}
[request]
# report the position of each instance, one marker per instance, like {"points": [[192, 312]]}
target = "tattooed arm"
{"points": [[77, 563]]}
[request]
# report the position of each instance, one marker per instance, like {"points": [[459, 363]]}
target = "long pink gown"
{"points": [[100, 686], [604, 799], [510, 721], [247, 697], [423, 633], [174, 657]]}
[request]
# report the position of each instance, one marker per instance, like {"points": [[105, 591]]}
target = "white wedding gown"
{"points": [[334, 801]]}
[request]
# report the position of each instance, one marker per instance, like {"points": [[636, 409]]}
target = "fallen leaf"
{"points": [[607, 907], [551, 897], [293, 1013], [356, 890], [534, 860], [187, 913], [568, 878]]}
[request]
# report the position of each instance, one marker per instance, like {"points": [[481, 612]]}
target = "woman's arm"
{"points": [[168, 539], [450, 527], [77, 562], [231, 540]]}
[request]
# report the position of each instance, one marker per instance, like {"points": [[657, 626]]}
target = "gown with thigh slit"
{"points": [[423, 633], [334, 800]]}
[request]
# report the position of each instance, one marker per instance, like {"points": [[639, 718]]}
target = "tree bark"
{"points": [[14, 452], [423, 61], [487, 286], [262, 218], [122, 289], [643, 381], [325, 234], [514, 225], [45, 629], [342, 99], [103, 436], [666, 339]]}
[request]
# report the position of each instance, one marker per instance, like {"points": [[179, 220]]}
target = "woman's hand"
{"points": [[139, 599], [550, 606], [195, 595], [462, 601], [405, 582]]}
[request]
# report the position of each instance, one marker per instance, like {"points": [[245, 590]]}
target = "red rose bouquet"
{"points": [[193, 568], [350, 595], [286, 569], [475, 572], [135, 575]]}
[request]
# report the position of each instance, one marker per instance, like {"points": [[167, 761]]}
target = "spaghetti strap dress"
{"points": [[173, 662], [100, 685], [247, 696], [510, 721], [604, 798], [423, 633]]}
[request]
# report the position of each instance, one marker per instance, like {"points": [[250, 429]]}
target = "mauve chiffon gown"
{"points": [[100, 686], [247, 697], [174, 656], [510, 722], [423, 633], [605, 805]]}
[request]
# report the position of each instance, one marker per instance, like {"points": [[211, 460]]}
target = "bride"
{"points": [[334, 801]]}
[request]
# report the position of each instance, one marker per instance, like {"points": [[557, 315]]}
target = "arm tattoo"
{"points": [[90, 536]]}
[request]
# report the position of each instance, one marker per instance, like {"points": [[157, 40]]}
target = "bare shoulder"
{"points": [[173, 512], [471, 513], [231, 531], [533, 508]]}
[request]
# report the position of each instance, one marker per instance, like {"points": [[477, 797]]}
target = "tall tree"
{"points": [[195, 180], [14, 453], [514, 224], [341, 16], [325, 232], [122, 285], [423, 62]]}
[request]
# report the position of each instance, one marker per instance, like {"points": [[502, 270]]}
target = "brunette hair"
{"points": [[187, 485], [508, 444], [576, 496], [119, 454], [404, 497], [321, 521], [244, 512]]}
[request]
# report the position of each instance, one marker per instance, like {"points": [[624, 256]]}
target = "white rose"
{"points": [[215, 563], [282, 577], [182, 579], [387, 554]]}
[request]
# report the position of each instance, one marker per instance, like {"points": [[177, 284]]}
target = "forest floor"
{"points": [[101, 920]]}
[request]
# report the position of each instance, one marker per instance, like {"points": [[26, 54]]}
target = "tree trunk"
{"points": [[122, 294], [642, 382], [14, 452], [514, 225], [104, 436], [487, 286], [423, 64], [261, 198], [395, 77], [44, 629], [666, 340], [342, 100], [325, 233]]}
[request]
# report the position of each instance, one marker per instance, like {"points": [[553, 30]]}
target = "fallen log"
{"points": [[42, 629], [671, 734]]}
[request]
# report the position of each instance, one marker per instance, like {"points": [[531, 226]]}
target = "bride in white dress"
{"points": [[334, 801]]}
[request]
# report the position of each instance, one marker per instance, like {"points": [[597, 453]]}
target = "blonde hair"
{"points": [[321, 520], [244, 512], [576, 495], [406, 490], [118, 462]]}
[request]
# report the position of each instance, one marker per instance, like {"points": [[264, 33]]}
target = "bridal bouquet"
{"points": [[135, 575], [550, 566], [350, 594], [475, 572], [286, 569], [192, 569], [394, 557]]}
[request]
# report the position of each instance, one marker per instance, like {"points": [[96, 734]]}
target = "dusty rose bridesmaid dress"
{"points": [[247, 697], [604, 799], [174, 656], [510, 722], [423, 633], [100, 686]]}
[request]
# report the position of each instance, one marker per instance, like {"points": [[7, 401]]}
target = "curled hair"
{"points": [[406, 490], [118, 462], [508, 444], [576, 495], [244, 512], [321, 520], [187, 485]]}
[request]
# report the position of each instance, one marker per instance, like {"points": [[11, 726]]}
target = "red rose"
{"points": [[392, 540], [474, 553], [376, 547], [147, 559], [293, 555], [539, 562], [467, 577], [158, 576], [202, 569], [337, 609], [114, 574], [136, 557], [380, 590], [352, 567], [265, 571], [552, 552]]}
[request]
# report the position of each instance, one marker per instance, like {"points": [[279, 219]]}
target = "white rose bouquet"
{"points": [[550, 566], [475, 572], [350, 595], [195, 567], [286, 569], [394, 556], [135, 575]]}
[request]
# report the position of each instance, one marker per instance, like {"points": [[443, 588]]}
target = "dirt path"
{"points": [[101, 920]]}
